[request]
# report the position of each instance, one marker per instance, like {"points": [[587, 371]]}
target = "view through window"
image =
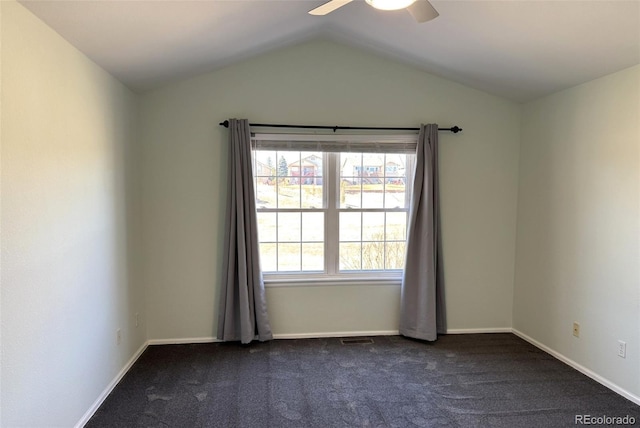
{"points": [[334, 214]]}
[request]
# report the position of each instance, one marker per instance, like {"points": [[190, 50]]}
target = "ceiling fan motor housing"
{"points": [[390, 4]]}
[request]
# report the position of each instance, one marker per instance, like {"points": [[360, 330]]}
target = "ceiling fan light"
{"points": [[390, 4]]}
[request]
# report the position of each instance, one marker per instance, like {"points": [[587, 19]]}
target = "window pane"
{"points": [[373, 255], [309, 173], [350, 192], [373, 180], [268, 257], [288, 227], [395, 181], [373, 195], [395, 195], [265, 193], [313, 227], [395, 255], [313, 257], [288, 193], [288, 257], [396, 226], [373, 226], [350, 256], [312, 196], [267, 229], [288, 190], [264, 171], [350, 228], [284, 159], [350, 165], [264, 166]]}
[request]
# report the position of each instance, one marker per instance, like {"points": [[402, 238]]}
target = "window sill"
{"points": [[331, 281]]}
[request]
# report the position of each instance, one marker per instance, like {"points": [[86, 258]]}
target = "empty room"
{"points": [[319, 213]]}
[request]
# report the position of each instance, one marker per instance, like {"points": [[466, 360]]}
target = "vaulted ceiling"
{"points": [[520, 50]]}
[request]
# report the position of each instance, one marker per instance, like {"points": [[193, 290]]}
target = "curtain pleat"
{"points": [[422, 309], [242, 307]]}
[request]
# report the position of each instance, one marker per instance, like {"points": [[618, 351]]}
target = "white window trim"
{"points": [[402, 143]]}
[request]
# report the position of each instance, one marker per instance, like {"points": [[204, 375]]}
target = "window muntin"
{"points": [[331, 214]]}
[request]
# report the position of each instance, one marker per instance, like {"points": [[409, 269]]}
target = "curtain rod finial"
{"points": [[225, 124], [456, 129]]}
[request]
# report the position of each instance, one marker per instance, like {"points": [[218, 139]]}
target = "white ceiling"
{"points": [[517, 49]]}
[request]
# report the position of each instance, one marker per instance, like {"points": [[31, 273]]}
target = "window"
{"points": [[336, 214]]}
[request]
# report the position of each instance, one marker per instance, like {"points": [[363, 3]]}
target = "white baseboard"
{"points": [[94, 407], [183, 341], [479, 330], [335, 334], [612, 386]]}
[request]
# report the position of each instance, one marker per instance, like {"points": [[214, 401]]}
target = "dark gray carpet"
{"points": [[482, 380]]}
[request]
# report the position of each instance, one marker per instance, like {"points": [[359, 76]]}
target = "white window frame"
{"points": [[400, 143]]}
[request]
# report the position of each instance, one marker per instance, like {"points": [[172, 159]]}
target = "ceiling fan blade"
{"points": [[329, 7], [422, 11]]}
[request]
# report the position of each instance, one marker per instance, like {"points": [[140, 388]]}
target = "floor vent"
{"points": [[356, 341]]}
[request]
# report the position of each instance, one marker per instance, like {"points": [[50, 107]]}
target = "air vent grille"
{"points": [[356, 341]]}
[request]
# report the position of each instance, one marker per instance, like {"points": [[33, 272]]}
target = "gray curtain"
{"points": [[243, 307], [422, 313]]}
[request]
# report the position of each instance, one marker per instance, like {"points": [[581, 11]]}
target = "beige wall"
{"points": [[578, 234], [183, 173], [67, 278]]}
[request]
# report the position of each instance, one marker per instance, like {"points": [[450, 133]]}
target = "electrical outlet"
{"points": [[622, 349], [118, 337], [137, 319], [576, 329]]}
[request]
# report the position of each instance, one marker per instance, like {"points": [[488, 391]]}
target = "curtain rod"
{"points": [[454, 129]]}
